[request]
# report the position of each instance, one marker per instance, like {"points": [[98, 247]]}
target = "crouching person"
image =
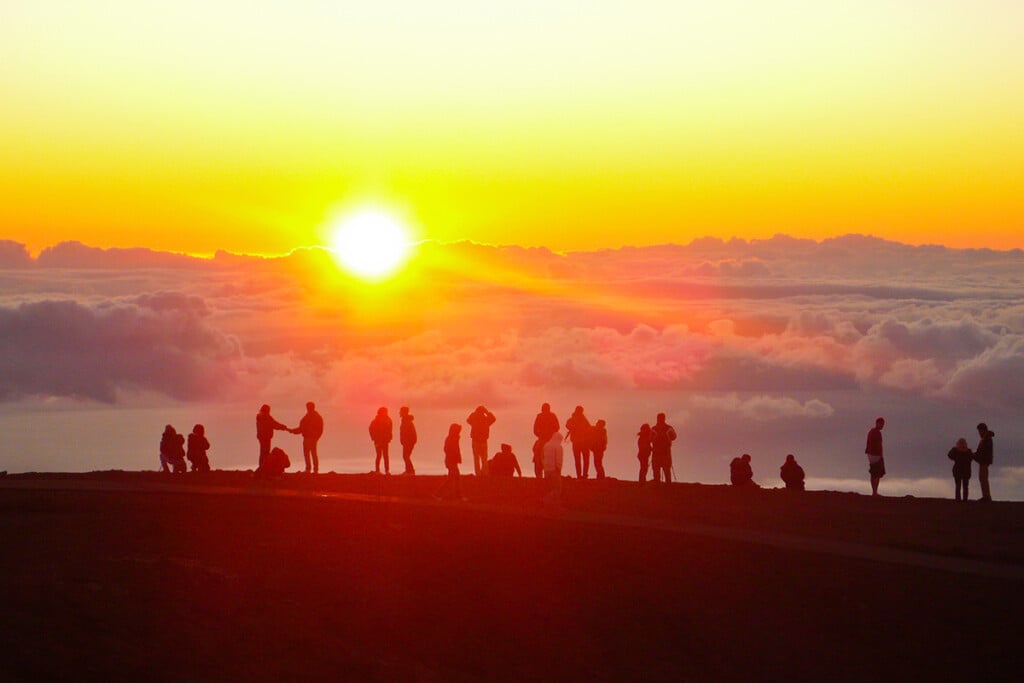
{"points": [[792, 474]]}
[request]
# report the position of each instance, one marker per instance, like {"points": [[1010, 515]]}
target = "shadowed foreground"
{"points": [[187, 586]]}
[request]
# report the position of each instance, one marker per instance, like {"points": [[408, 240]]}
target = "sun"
{"points": [[371, 243]]}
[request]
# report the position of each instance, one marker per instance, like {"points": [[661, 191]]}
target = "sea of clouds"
{"points": [[766, 346]]}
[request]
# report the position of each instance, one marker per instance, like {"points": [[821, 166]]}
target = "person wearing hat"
{"points": [[505, 464], [961, 456]]}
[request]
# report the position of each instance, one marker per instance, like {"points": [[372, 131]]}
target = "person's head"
{"points": [[578, 411], [382, 411], [481, 409], [199, 429], [545, 408], [961, 444], [746, 457], [404, 411], [661, 418], [645, 428], [790, 458], [264, 409], [601, 423], [168, 429], [556, 437], [455, 429], [879, 422], [506, 448], [310, 406], [982, 428]]}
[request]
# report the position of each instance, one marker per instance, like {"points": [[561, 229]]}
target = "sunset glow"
{"points": [[371, 243]]}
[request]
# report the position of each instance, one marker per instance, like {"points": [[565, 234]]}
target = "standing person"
{"points": [[577, 429], [451, 489], [662, 436], [983, 454], [480, 421], [197, 447], [961, 456], [553, 455], [643, 450], [172, 450], [265, 426], [381, 433], [873, 449], [311, 426], [544, 425], [407, 437], [599, 444], [792, 474]]}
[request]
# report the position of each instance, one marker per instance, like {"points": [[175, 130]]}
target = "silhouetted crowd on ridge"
{"points": [[588, 443]]}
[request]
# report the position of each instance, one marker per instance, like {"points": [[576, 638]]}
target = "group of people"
{"points": [[173, 452], [588, 441]]}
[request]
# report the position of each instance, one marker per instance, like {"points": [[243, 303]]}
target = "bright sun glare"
{"points": [[371, 243]]}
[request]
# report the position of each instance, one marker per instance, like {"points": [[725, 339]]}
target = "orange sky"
{"points": [[247, 126]]}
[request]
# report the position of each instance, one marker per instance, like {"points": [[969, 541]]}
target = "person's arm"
{"points": [[515, 463]]}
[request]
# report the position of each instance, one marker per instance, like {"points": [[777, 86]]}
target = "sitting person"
{"points": [[740, 472], [197, 447], [172, 450], [277, 462], [505, 464], [792, 474]]}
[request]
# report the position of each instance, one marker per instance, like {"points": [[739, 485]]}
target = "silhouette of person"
{"points": [[643, 450], [197, 447], [451, 488], [873, 449], [505, 464], [276, 463], [407, 437], [983, 455], [962, 457], [172, 450], [792, 474], [480, 421], [553, 456], [311, 427], [598, 445], [662, 436], [381, 433], [577, 429], [265, 426], [544, 425], [740, 472]]}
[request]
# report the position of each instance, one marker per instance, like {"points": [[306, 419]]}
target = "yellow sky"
{"points": [[194, 126]]}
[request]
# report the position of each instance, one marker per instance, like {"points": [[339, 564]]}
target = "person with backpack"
{"points": [[577, 429], [741, 473], [662, 436]]}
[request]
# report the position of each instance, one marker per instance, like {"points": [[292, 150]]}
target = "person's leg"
{"points": [[305, 455], [387, 460], [576, 453], [599, 464], [264, 452], [380, 453], [967, 484], [586, 462], [407, 457], [983, 480], [314, 457], [958, 483]]}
